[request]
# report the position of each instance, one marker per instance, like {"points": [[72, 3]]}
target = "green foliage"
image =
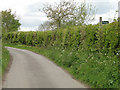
{"points": [[93, 68], [88, 52], [68, 13], [9, 21], [5, 59]]}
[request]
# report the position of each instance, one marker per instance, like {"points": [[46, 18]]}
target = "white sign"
{"points": [[119, 9]]}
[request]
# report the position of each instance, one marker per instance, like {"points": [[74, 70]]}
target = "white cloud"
{"points": [[31, 17], [30, 28]]}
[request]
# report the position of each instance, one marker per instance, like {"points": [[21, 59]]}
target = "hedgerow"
{"points": [[89, 52], [88, 37]]}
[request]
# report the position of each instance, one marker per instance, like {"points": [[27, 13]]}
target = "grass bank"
{"points": [[93, 68], [5, 59]]}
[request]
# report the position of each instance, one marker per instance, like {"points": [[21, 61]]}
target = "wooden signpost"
{"points": [[102, 22]]}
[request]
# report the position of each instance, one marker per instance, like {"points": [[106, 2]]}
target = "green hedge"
{"points": [[90, 53], [90, 37]]}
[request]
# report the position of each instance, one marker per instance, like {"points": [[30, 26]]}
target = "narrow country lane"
{"points": [[30, 70]]}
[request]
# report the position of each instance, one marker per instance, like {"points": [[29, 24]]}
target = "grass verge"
{"points": [[5, 59], [93, 68]]}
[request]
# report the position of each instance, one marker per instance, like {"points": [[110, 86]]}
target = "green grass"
{"points": [[93, 68], [0, 58], [5, 59]]}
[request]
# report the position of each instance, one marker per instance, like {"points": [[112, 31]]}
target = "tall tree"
{"points": [[59, 13], [10, 22], [69, 12]]}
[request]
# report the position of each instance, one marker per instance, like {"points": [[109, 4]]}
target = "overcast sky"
{"points": [[31, 17]]}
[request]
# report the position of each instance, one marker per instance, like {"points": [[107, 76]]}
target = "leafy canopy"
{"points": [[69, 13], [10, 22]]}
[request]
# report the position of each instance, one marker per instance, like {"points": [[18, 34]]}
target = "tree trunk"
{"points": [[59, 24]]}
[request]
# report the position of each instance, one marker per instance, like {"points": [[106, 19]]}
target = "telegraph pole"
{"points": [[119, 26], [119, 9]]}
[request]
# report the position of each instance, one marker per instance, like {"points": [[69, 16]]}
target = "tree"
{"points": [[83, 14], [60, 12], [69, 12], [10, 22]]}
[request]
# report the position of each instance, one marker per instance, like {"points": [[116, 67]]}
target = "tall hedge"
{"points": [[90, 37]]}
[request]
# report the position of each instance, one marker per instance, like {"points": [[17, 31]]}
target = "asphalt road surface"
{"points": [[30, 70]]}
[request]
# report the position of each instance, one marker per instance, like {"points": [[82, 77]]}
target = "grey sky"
{"points": [[31, 17], [103, 7]]}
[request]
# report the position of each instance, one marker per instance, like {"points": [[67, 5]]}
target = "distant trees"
{"points": [[47, 26], [69, 13], [10, 22]]}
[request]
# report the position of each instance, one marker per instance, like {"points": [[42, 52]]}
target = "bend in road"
{"points": [[31, 70]]}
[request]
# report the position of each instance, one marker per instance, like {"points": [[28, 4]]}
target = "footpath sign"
{"points": [[105, 22]]}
